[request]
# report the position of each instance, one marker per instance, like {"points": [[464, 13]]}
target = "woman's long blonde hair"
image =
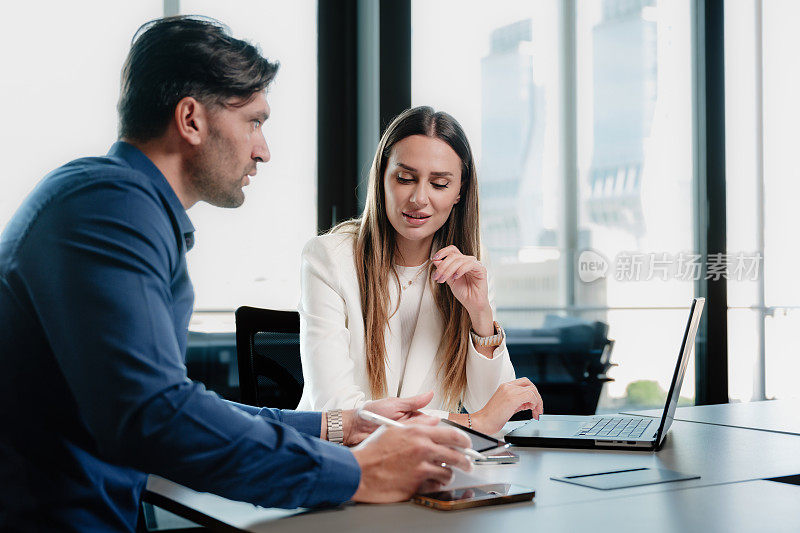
{"points": [[375, 249]]}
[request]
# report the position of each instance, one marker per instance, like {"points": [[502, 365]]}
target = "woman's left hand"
{"points": [[465, 276], [404, 410], [509, 398]]}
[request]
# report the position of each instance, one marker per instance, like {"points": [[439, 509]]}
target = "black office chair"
{"points": [[567, 358], [268, 353]]}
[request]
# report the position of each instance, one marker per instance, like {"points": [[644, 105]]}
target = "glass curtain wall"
{"points": [[60, 85], [58, 99], [636, 187], [762, 80], [251, 255], [495, 68], [499, 70]]}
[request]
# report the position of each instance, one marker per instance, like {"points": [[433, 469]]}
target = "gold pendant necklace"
{"points": [[423, 268]]}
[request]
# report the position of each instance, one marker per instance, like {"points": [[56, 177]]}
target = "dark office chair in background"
{"points": [[567, 358], [268, 354]]}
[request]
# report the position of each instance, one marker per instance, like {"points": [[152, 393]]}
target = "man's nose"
{"points": [[261, 151]]}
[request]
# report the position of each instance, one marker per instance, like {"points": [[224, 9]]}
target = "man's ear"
{"points": [[191, 120]]}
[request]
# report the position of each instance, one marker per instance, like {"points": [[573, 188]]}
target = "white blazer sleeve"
{"points": [[484, 375], [328, 369]]}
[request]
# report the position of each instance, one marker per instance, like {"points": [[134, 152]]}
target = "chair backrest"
{"points": [[268, 354]]}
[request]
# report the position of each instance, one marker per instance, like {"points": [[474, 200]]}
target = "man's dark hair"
{"points": [[175, 57]]}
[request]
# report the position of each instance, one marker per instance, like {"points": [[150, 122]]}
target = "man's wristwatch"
{"points": [[335, 426], [492, 340]]}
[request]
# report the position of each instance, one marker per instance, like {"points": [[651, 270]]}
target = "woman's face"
{"points": [[422, 183]]}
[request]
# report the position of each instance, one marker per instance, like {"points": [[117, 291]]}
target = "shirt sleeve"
{"points": [[308, 422], [328, 368], [102, 261]]}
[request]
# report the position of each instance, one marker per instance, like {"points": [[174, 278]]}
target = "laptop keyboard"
{"points": [[618, 427]]}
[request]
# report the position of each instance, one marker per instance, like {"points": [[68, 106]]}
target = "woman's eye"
{"points": [[404, 179], [439, 185]]}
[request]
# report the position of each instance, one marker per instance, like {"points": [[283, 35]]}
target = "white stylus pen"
{"points": [[383, 421]]}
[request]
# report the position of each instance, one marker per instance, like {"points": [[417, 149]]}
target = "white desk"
{"points": [[741, 507], [782, 416], [721, 455]]}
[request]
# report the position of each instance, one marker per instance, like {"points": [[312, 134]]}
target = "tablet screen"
{"points": [[480, 442]]}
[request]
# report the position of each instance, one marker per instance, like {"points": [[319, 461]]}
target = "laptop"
{"points": [[613, 431]]}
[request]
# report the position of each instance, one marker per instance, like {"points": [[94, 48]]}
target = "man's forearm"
{"points": [[303, 421], [204, 431]]}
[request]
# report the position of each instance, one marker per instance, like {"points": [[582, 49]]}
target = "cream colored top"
{"points": [[332, 339], [412, 283]]}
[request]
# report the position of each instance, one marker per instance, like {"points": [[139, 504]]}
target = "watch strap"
{"points": [[335, 426], [491, 340]]}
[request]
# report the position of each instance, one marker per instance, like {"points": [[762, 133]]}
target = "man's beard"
{"points": [[210, 169]]}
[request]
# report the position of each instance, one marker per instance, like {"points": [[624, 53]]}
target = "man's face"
{"points": [[228, 156]]}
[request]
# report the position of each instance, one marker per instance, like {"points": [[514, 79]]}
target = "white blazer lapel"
{"points": [[420, 373], [393, 342]]}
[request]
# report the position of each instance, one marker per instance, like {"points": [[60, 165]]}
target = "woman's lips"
{"points": [[417, 219]]}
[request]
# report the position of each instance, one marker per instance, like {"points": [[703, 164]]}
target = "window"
{"points": [[634, 109], [498, 69], [495, 70], [762, 81], [66, 68], [251, 255], [59, 90]]}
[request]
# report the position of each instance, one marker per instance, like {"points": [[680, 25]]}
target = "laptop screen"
{"points": [[680, 370]]}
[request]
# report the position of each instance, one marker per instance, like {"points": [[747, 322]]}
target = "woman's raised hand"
{"points": [[509, 398], [466, 277]]}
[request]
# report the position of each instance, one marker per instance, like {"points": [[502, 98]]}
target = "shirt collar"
{"points": [[138, 161]]}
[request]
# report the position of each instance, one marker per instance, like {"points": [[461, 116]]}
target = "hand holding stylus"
{"points": [[399, 460], [383, 421]]}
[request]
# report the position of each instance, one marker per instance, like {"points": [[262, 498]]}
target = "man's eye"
{"points": [[256, 124]]}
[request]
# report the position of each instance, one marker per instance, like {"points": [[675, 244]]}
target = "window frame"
{"points": [[341, 192]]}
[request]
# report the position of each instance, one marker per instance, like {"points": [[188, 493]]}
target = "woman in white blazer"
{"points": [[397, 303]]}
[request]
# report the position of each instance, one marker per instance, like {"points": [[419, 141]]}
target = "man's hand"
{"points": [[397, 462], [405, 410]]}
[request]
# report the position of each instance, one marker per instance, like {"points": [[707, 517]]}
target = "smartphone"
{"points": [[450, 500], [500, 458], [480, 441]]}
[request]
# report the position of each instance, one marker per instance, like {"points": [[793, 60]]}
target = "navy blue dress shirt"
{"points": [[95, 301]]}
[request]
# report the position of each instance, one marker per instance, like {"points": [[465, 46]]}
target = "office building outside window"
{"points": [[636, 183], [633, 208]]}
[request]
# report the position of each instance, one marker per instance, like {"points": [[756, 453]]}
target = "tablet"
{"points": [[480, 441]]}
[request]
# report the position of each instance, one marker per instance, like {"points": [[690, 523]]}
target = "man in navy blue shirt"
{"points": [[95, 302]]}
